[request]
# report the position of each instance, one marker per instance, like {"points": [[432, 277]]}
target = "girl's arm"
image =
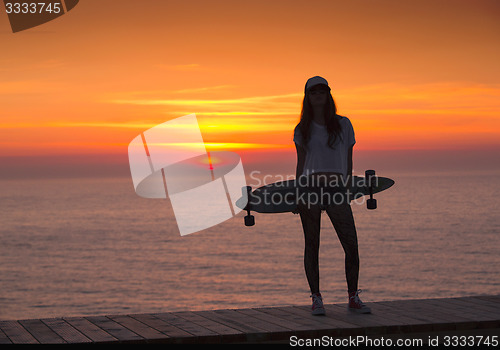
{"points": [[301, 158], [349, 161]]}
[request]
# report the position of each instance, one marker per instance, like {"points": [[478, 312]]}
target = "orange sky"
{"points": [[411, 75]]}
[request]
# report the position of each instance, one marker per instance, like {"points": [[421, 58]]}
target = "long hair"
{"points": [[332, 122]]}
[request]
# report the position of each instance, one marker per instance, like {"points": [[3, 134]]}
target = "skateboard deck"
{"points": [[281, 197]]}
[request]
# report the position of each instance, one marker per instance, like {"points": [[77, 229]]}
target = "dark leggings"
{"points": [[343, 222]]}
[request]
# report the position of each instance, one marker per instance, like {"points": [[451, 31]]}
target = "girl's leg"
{"points": [[343, 222], [311, 222]]}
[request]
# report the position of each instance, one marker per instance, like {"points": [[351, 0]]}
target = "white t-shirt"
{"points": [[319, 156]]}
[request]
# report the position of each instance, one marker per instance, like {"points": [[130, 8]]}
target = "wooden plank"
{"points": [[386, 319], [340, 312], [482, 320], [310, 326], [407, 324], [381, 320], [138, 327], [176, 334], [445, 307], [229, 317], [484, 305], [254, 329], [90, 330], [411, 307], [306, 325], [115, 329], [329, 320], [207, 323], [369, 323], [189, 327], [488, 310], [397, 315], [472, 309], [3, 338], [258, 323], [275, 319], [316, 326], [66, 331], [438, 307], [41, 332], [424, 314], [17, 333], [492, 298], [429, 311]]}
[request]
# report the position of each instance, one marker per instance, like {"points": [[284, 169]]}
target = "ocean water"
{"points": [[77, 247]]}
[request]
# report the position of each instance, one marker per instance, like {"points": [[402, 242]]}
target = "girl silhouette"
{"points": [[324, 141]]}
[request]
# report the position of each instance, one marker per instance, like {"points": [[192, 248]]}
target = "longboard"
{"points": [[281, 197]]}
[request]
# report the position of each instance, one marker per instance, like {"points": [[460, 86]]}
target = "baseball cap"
{"points": [[315, 81]]}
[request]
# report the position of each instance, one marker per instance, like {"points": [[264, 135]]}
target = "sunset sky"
{"points": [[414, 77]]}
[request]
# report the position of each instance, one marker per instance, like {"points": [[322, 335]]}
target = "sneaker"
{"points": [[356, 305], [317, 305]]}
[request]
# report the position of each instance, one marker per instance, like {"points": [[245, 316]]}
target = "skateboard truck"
{"points": [[371, 203], [249, 219]]}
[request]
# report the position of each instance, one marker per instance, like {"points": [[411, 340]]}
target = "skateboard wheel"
{"points": [[371, 203], [369, 175], [249, 220]]}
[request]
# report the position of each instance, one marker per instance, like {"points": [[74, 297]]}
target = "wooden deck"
{"points": [[389, 319]]}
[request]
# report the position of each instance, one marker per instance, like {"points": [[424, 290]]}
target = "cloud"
{"points": [[273, 113], [203, 89], [224, 102]]}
